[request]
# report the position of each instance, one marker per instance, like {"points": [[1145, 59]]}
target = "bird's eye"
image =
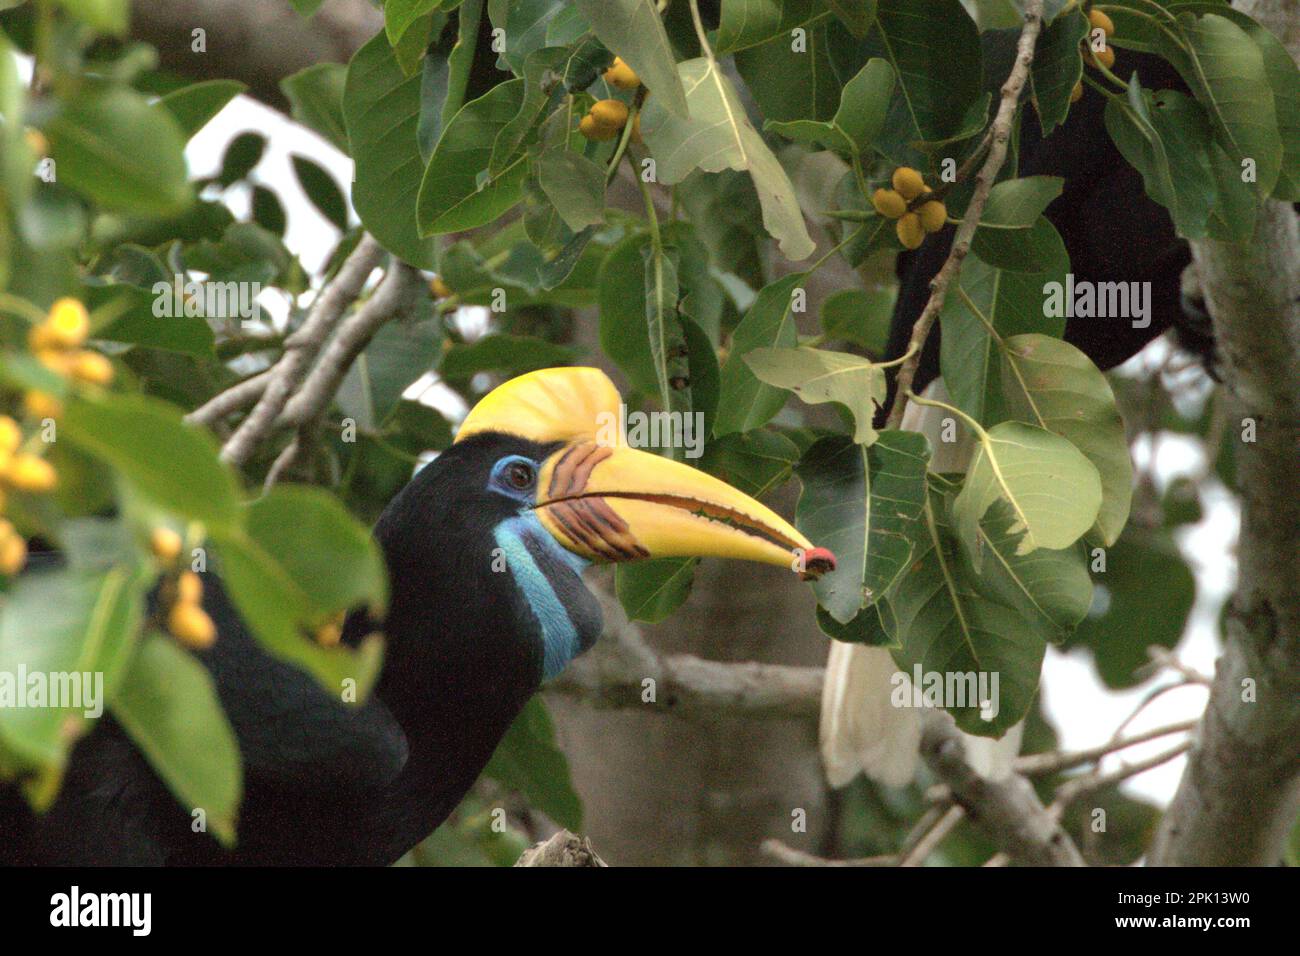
{"points": [[520, 475]]}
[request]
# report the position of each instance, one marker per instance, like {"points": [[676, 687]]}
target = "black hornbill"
{"points": [[485, 550]]}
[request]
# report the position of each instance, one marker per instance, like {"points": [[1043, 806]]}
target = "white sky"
{"points": [[1084, 711]]}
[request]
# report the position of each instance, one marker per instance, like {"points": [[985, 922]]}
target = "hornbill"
{"points": [[485, 550]]}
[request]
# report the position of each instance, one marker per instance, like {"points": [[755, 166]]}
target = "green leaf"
{"points": [[652, 590], [320, 188], [859, 316], [172, 464], [789, 81], [864, 102], [897, 463], [169, 707], [716, 136], [834, 511], [1144, 599], [331, 556], [398, 355], [1057, 67], [668, 351], [193, 106], [819, 375], [744, 401], [451, 198], [1017, 203], [399, 15], [525, 28], [753, 462], [633, 30], [1225, 70], [528, 760], [268, 212], [944, 623], [575, 185], [95, 141], [315, 97], [1012, 303], [381, 107], [1053, 489], [1051, 384], [857, 15], [747, 23], [136, 323], [511, 354], [934, 49], [243, 153], [64, 622]]}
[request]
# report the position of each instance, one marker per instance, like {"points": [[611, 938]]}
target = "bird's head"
{"points": [[541, 483]]}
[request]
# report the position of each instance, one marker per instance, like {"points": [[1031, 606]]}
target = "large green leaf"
{"points": [[316, 100], [744, 401], [747, 23], [861, 114], [1053, 490], [897, 462], [96, 138], [753, 462], [1225, 70], [398, 355], [633, 30], [575, 186], [1052, 384], [717, 135], [64, 622], [381, 107], [792, 81], [819, 375], [652, 590], [834, 511], [1057, 67], [169, 707], [528, 760], [172, 464], [944, 623], [193, 106], [451, 198]]}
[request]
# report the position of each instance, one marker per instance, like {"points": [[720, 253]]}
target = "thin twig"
{"points": [[1040, 765], [788, 855], [930, 839], [1001, 133], [231, 400], [1073, 789]]}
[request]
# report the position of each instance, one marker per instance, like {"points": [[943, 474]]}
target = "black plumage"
{"points": [[326, 783]]}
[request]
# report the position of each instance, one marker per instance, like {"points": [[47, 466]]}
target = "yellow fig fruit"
{"points": [[329, 635], [908, 182], [1105, 57], [36, 141], [165, 544], [611, 114], [68, 324], [439, 288], [32, 474], [13, 553], [591, 129], [11, 436], [1076, 94], [888, 203], [40, 405], [622, 76], [636, 128], [933, 215], [92, 368], [1099, 20], [189, 588], [910, 232], [191, 625]]}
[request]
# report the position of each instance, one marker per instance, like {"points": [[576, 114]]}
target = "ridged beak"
{"points": [[620, 504]]}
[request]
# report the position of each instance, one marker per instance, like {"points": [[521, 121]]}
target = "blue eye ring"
{"points": [[515, 473]]}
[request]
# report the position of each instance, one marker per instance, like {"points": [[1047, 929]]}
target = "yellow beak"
{"points": [[620, 504]]}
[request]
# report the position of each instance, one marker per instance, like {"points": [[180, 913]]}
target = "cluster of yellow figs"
{"points": [[186, 619], [606, 118], [1105, 56], [19, 471], [57, 343], [911, 202]]}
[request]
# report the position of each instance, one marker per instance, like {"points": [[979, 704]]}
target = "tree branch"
{"points": [[1240, 793], [301, 349], [1007, 810], [988, 174], [258, 43]]}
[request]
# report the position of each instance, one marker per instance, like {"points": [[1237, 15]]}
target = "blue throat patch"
{"points": [[560, 639]]}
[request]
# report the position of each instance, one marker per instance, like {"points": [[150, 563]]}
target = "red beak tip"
{"points": [[817, 561]]}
